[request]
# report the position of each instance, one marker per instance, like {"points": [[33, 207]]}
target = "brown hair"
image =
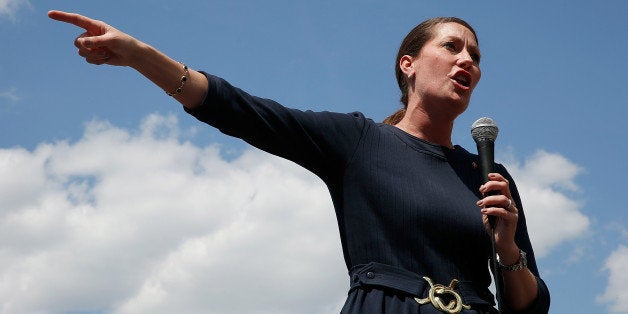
{"points": [[411, 45]]}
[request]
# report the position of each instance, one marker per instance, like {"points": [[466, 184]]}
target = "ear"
{"points": [[405, 64]]}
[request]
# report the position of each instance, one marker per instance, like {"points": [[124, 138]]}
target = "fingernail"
{"points": [[479, 203]]}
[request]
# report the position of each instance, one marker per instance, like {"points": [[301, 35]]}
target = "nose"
{"points": [[464, 59]]}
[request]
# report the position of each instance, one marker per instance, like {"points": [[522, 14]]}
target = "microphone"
{"points": [[484, 132]]}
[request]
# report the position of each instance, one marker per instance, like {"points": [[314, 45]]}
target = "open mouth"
{"points": [[463, 79]]}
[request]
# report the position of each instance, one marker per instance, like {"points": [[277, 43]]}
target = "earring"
{"points": [[410, 75]]}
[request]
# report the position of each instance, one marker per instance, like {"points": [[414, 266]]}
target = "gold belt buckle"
{"points": [[436, 294]]}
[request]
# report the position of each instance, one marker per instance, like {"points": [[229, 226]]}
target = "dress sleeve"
{"points": [[542, 302], [322, 142]]}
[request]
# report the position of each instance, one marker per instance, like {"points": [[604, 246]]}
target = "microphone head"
{"points": [[484, 129]]}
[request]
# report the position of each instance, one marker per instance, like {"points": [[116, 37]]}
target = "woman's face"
{"points": [[447, 68]]}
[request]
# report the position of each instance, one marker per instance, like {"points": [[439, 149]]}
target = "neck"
{"points": [[428, 127]]}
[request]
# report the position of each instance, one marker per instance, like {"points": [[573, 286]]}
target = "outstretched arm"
{"points": [[103, 44]]}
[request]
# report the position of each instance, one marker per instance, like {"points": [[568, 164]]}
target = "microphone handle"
{"points": [[486, 153]]}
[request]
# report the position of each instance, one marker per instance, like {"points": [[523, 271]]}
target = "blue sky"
{"points": [[104, 208]]}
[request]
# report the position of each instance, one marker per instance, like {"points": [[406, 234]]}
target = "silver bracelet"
{"points": [[184, 78], [519, 265]]}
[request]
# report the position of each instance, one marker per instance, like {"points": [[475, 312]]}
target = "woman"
{"points": [[411, 209]]}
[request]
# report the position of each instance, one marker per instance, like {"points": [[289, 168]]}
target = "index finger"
{"points": [[92, 26]]}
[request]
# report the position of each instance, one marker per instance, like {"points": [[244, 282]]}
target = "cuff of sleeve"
{"points": [[209, 97], [542, 303]]}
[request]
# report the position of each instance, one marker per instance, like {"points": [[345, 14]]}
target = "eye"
{"points": [[450, 45]]}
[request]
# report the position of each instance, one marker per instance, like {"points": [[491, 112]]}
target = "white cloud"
{"points": [[10, 94], [8, 8], [616, 293], [546, 182], [142, 222]]}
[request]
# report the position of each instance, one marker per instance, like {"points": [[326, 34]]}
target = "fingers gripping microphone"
{"points": [[484, 132]]}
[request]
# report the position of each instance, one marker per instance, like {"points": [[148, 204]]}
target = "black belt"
{"points": [[457, 295]]}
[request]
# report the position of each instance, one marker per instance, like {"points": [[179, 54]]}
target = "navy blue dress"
{"points": [[406, 208]]}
